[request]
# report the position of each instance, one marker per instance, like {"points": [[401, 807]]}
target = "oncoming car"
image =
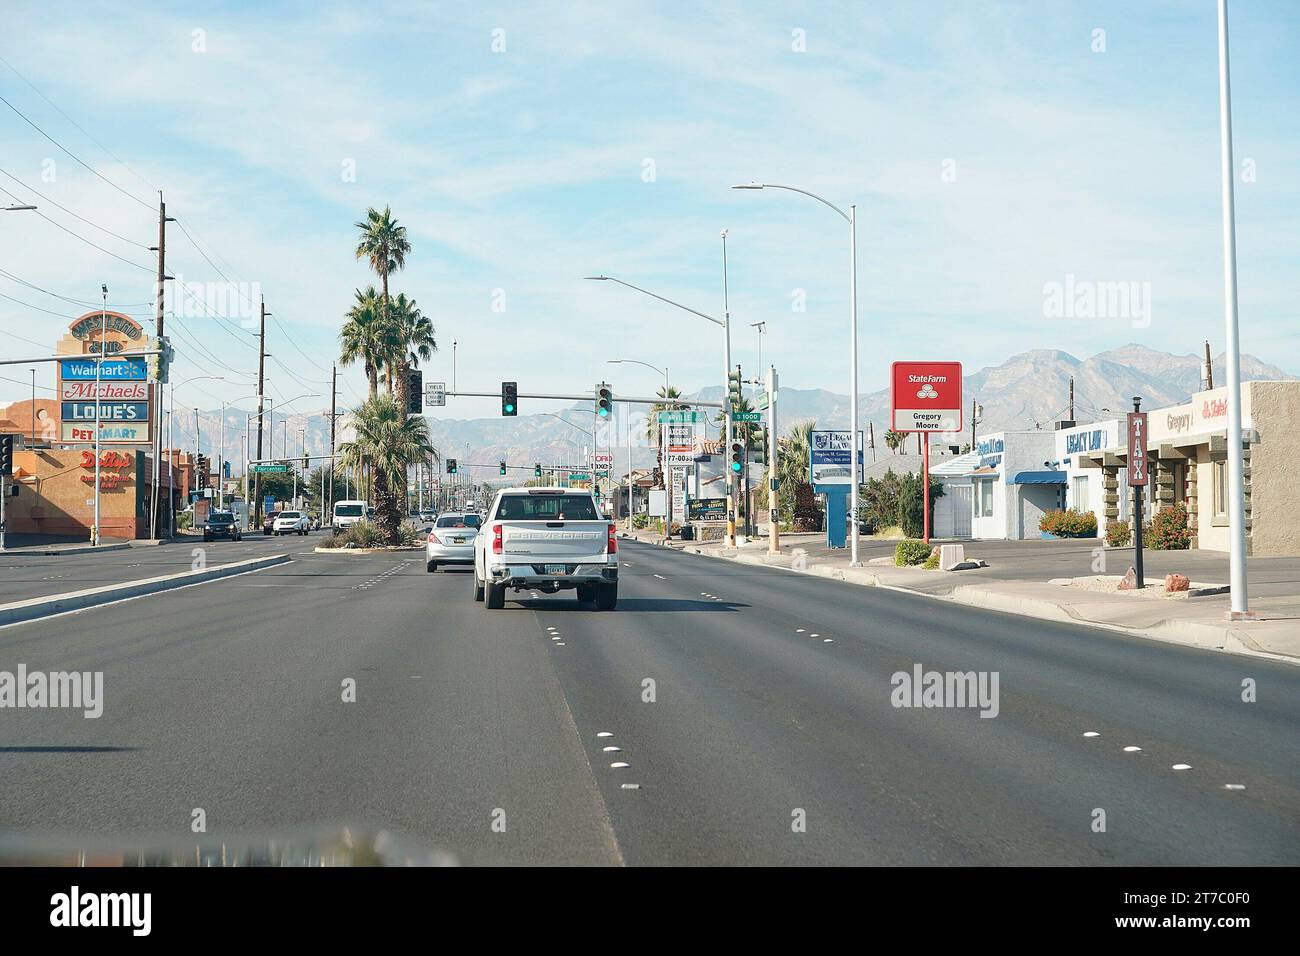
{"points": [[222, 524], [291, 522], [451, 540]]}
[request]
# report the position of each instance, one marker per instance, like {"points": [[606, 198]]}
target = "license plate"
{"points": [[556, 569], [457, 540]]}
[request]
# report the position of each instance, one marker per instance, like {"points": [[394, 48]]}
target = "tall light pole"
{"points": [[99, 426], [1239, 610], [725, 322], [851, 217], [627, 436]]}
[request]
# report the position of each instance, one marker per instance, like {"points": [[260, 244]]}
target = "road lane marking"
{"points": [[612, 749], [604, 733], [619, 765], [1091, 733], [1132, 750], [1234, 786], [661, 577], [631, 786], [1182, 766]]}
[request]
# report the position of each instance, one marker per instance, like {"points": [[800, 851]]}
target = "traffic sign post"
{"points": [[925, 397], [1138, 475]]}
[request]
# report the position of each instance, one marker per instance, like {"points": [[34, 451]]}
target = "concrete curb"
{"points": [[398, 550], [41, 607], [1186, 633], [61, 552]]}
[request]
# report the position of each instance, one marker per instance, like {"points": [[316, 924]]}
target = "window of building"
{"points": [[1080, 493], [1220, 486], [984, 498]]}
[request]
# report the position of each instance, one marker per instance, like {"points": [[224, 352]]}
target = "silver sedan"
{"points": [[451, 540]]}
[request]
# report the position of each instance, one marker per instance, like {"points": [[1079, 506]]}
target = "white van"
{"points": [[349, 513]]}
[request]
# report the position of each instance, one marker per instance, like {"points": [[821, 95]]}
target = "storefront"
{"points": [[1188, 450], [1000, 490]]}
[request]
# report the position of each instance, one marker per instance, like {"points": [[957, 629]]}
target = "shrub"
{"points": [[1070, 523], [1168, 530], [407, 534], [333, 541], [932, 562], [895, 500], [910, 552], [640, 520], [363, 534], [1119, 534]]}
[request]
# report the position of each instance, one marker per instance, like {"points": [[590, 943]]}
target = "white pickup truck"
{"points": [[547, 540]]}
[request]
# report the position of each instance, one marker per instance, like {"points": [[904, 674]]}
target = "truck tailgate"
{"points": [[540, 541]]}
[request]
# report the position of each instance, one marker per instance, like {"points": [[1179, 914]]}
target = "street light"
{"points": [[628, 438], [855, 456], [725, 322], [18, 208]]}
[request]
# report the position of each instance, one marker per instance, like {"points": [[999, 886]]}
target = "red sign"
{"points": [[1137, 449], [108, 459], [926, 397]]}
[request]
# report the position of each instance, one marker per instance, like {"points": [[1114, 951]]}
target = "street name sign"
{"points": [[926, 397], [747, 417], [271, 469], [680, 418]]}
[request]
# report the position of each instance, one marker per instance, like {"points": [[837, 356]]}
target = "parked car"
{"points": [[548, 540], [291, 522], [222, 524], [451, 541], [269, 521]]}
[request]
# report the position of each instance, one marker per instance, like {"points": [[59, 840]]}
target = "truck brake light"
{"points": [[496, 539], [612, 546]]}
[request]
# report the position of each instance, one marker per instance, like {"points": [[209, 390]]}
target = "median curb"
{"points": [[56, 551], [1202, 634], [20, 612]]}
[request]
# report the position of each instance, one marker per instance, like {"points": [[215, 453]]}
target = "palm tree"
{"points": [[894, 440], [414, 333], [390, 441], [367, 337], [792, 475], [383, 244], [668, 396]]}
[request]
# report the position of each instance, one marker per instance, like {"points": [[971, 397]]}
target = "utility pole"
{"points": [[256, 509], [156, 423], [1070, 416], [773, 467], [1207, 379], [334, 395]]}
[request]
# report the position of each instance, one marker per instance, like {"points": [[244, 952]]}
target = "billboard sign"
{"points": [[679, 444], [110, 370], [120, 433], [926, 397], [108, 391], [831, 456], [108, 411], [707, 509]]}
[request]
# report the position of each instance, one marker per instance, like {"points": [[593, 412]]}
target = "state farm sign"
{"points": [[926, 397]]}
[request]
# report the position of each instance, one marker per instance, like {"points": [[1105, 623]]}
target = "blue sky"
{"points": [[524, 169]]}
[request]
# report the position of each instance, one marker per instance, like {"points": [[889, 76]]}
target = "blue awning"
{"points": [[1039, 478]]}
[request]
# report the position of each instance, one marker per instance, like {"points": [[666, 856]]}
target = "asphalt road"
{"points": [[771, 705], [25, 576]]}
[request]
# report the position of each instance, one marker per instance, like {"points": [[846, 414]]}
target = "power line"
{"points": [[111, 154], [66, 298], [88, 222], [76, 158], [75, 235]]}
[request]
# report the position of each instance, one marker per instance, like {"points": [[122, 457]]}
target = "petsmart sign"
{"points": [[926, 397]]}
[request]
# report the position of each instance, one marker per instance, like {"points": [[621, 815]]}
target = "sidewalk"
{"points": [[1065, 581]]}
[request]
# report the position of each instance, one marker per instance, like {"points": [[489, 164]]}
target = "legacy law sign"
{"points": [[124, 408], [926, 397]]}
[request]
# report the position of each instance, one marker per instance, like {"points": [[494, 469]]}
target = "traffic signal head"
{"points": [[306, 464], [7, 455], [451, 466], [734, 390], [414, 392], [604, 400], [509, 399], [503, 467], [537, 470], [737, 456]]}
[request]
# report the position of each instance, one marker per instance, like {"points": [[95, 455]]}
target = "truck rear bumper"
{"points": [[522, 576]]}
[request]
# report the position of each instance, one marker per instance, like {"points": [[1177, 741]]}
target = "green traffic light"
{"points": [[604, 412], [735, 466], [510, 408]]}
